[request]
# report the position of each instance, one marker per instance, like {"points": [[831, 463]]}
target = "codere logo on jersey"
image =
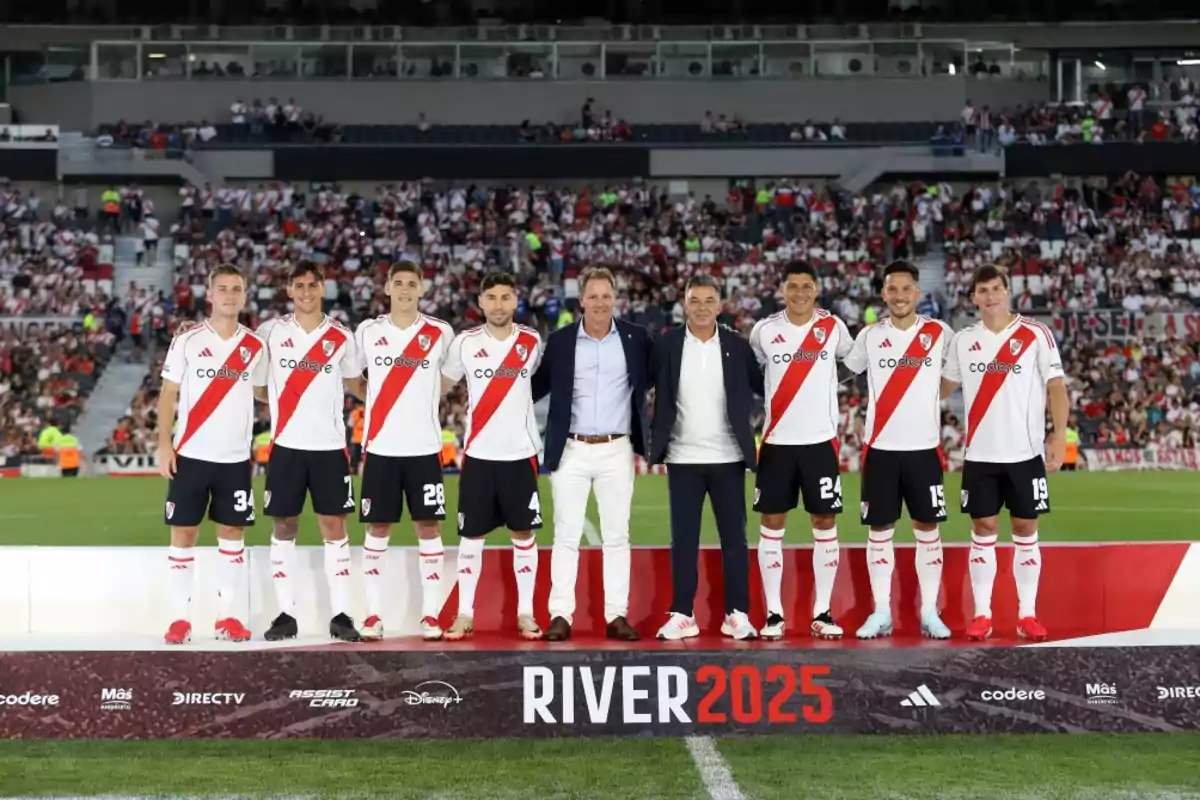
{"points": [[224, 373], [305, 365]]}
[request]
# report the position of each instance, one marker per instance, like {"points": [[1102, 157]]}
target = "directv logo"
{"points": [[921, 698]]}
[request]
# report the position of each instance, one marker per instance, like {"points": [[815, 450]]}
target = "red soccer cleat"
{"points": [[180, 632], [231, 630], [1029, 628], [979, 629]]}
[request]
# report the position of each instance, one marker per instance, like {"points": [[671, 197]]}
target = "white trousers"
{"points": [[608, 469]]}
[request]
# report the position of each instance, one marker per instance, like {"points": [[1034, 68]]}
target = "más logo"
{"points": [[326, 698], [1012, 693], [1178, 692], [438, 693], [1101, 694], [207, 698], [29, 699], [116, 699]]}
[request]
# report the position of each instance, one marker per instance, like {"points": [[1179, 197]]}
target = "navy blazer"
{"points": [[743, 379], [555, 376]]}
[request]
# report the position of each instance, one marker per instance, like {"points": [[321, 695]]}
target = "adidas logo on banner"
{"points": [[206, 353], [921, 698]]}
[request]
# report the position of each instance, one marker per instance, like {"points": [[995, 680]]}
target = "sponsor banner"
{"points": [[1107, 326], [131, 465], [1176, 325], [537, 693], [1143, 458], [32, 326]]}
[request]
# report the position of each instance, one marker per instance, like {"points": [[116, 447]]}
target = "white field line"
{"points": [[714, 769]]}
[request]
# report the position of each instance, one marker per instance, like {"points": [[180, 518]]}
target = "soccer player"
{"points": [[403, 352], [798, 348], [208, 376], [499, 479], [1009, 367], [312, 363], [901, 464]]}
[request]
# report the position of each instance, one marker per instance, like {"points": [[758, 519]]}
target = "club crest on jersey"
{"points": [[819, 335], [926, 340], [244, 352], [1014, 346], [366, 506], [327, 348], [170, 509], [423, 342], [522, 352]]}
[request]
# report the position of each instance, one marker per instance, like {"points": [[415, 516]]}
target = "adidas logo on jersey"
{"points": [[886, 343], [537, 520], [1041, 506], [206, 353], [382, 342], [975, 348], [779, 340], [921, 698], [287, 343], [481, 354]]}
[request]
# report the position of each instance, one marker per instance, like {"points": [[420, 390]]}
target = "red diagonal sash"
{"points": [[992, 380], [497, 388], [398, 377], [300, 379], [216, 390], [798, 371], [902, 377]]}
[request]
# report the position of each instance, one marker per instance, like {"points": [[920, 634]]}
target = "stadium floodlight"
{"points": [[1100, 65], [1188, 62]]}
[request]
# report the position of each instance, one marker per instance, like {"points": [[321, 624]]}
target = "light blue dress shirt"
{"points": [[600, 402]]}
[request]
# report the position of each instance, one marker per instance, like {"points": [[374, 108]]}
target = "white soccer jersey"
{"points": [[304, 382], [404, 384], [1004, 377], [904, 379], [500, 420], [799, 362], [216, 380]]}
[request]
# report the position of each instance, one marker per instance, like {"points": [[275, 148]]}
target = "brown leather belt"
{"points": [[598, 439]]}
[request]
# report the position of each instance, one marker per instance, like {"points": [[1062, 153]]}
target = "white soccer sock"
{"points": [[431, 555], [337, 572], [825, 566], [881, 563], [231, 568], [1027, 569], [929, 567], [283, 572], [470, 564], [374, 555], [525, 566], [983, 572], [181, 562], [770, 567]]}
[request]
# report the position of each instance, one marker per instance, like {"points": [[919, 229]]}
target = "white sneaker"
{"points": [[823, 627], [932, 626], [372, 629], [430, 630], [877, 625], [774, 628], [737, 625], [679, 626]]}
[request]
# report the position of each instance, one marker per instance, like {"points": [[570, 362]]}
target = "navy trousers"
{"points": [[725, 486]]}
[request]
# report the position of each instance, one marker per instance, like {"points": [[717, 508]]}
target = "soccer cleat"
{"points": [[774, 628], [180, 632], [979, 629], [430, 630], [823, 627], [232, 630], [528, 628], [877, 625], [1029, 628], [737, 625], [342, 628], [679, 626], [932, 626], [284, 627], [462, 628], [372, 629]]}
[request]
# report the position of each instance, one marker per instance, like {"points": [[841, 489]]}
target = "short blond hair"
{"points": [[596, 273], [226, 269]]}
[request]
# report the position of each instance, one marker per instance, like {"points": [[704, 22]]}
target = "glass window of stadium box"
{"points": [[678, 60], [631, 60], [897, 59], [424, 61], [843, 59], [948, 57], [736, 59], [989, 60], [52, 64], [164, 61], [1030, 65], [115, 61], [374, 61], [323, 61], [787, 60], [576, 62], [275, 60], [525, 60], [219, 61]]}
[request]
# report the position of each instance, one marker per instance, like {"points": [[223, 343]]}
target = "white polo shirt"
{"points": [[702, 434]]}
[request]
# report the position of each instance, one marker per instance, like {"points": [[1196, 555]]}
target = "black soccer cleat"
{"points": [[284, 627], [342, 628]]}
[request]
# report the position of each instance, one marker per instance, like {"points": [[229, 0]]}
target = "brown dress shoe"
{"points": [[621, 630], [559, 630]]}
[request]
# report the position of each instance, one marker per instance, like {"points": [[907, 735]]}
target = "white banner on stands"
{"points": [[1143, 458], [26, 326], [126, 466]]}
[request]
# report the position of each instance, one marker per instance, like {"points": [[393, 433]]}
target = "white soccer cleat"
{"points": [[528, 628], [372, 629], [774, 628], [932, 626], [679, 626], [877, 625], [737, 625], [430, 630], [462, 628], [823, 627]]}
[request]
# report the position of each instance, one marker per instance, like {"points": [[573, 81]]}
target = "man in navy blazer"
{"points": [[705, 378], [595, 372]]}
